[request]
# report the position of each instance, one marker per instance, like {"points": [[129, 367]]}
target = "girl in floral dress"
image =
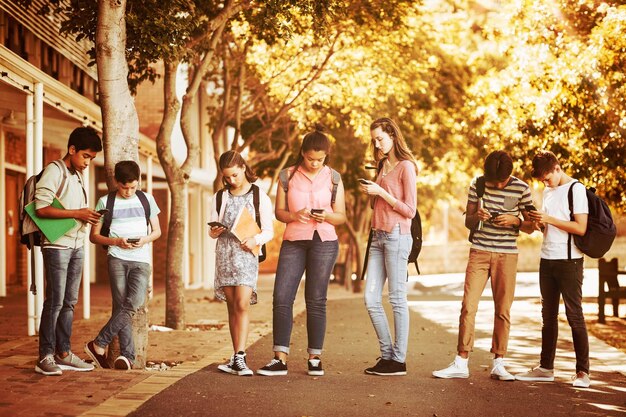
{"points": [[236, 266]]}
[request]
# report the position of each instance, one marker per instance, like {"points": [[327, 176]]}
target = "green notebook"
{"points": [[53, 229]]}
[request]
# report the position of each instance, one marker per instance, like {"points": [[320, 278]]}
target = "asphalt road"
{"points": [[345, 390]]}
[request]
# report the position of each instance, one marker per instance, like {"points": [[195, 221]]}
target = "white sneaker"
{"points": [[581, 380], [457, 369], [499, 371], [538, 374], [228, 366]]}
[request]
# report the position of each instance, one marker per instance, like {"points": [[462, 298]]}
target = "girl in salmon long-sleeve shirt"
{"points": [[394, 200]]}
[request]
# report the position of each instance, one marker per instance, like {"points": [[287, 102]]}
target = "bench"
{"points": [[609, 286]]}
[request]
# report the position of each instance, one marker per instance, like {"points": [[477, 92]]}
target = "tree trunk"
{"points": [[174, 295], [120, 125]]}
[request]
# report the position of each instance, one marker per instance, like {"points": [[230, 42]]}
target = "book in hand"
{"points": [[245, 227], [52, 229]]}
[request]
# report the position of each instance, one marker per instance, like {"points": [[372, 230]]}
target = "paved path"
{"points": [[346, 391], [197, 388]]}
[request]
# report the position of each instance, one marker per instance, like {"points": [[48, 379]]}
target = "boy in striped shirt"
{"points": [[495, 218], [134, 224]]}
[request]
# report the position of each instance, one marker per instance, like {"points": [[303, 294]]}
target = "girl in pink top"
{"points": [[394, 199], [309, 244]]}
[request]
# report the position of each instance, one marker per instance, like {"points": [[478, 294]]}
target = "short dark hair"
{"points": [[127, 171], [498, 166], [543, 162], [85, 138]]}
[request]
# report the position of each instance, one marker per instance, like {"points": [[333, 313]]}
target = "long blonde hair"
{"points": [[400, 148]]}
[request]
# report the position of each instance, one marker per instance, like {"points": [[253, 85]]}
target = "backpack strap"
{"points": [[570, 202], [59, 163], [283, 179], [367, 254], [218, 200], [480, 192], [335, 177], [146, 208], [108, 217]]}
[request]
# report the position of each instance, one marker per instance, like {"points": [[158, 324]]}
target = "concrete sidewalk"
{"points": [[435, 299]]}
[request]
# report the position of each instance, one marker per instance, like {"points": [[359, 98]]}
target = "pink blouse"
{"points": [[401, 183], [304, 193]]}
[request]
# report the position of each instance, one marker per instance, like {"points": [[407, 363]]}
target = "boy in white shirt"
{"points": [[561, 267], [128, 259]]}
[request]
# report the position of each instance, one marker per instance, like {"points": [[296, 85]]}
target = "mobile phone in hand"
{"points": [[217, 224], [494, 215], [102, 212], [132, 240], [530, 207], [364, 181], [317, 211]]}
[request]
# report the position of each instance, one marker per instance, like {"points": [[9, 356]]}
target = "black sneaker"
{"points": [[315, 367], [275, 367], [240, 367], [391, 368], [380, 365], [98, 360]]}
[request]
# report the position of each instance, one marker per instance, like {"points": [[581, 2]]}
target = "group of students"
{"points": [[130, 225], [499, 206], [310, 200]]}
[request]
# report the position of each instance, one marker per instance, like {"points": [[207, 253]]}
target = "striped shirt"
{"points": [[509, 200], [129, 220]]}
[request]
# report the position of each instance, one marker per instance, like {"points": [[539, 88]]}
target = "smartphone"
{"points": [[364, 181], [317, 211], [102, 212], [132, 240], [494, 215], [530, 207], [217, 224]]}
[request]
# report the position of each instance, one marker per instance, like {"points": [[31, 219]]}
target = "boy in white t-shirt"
{"points": [[128, 259], [561, 267]]}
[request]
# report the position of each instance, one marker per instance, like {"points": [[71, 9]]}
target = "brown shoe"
{"points": [[98, 360]]}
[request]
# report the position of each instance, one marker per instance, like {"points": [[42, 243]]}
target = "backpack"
{"points": [[30, 235], [335, 178], [257, 214], [601, 229], [416, 235], [480, 192], [105, 230]]}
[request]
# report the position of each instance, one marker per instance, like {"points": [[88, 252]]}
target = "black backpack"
{"points": [[108, 217], [601, 229], [416, 235], [257, 214]]}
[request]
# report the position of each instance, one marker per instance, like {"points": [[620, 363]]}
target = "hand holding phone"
{"points": [[102, 212], [132, 240], [364, 181], [530, 207], [317, 211], [217, 224]]}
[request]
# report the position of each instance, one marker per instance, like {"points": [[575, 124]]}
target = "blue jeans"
{"points": [[63, 272], [562, 277], [129, 284], [318, 259], [387, 260]]}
